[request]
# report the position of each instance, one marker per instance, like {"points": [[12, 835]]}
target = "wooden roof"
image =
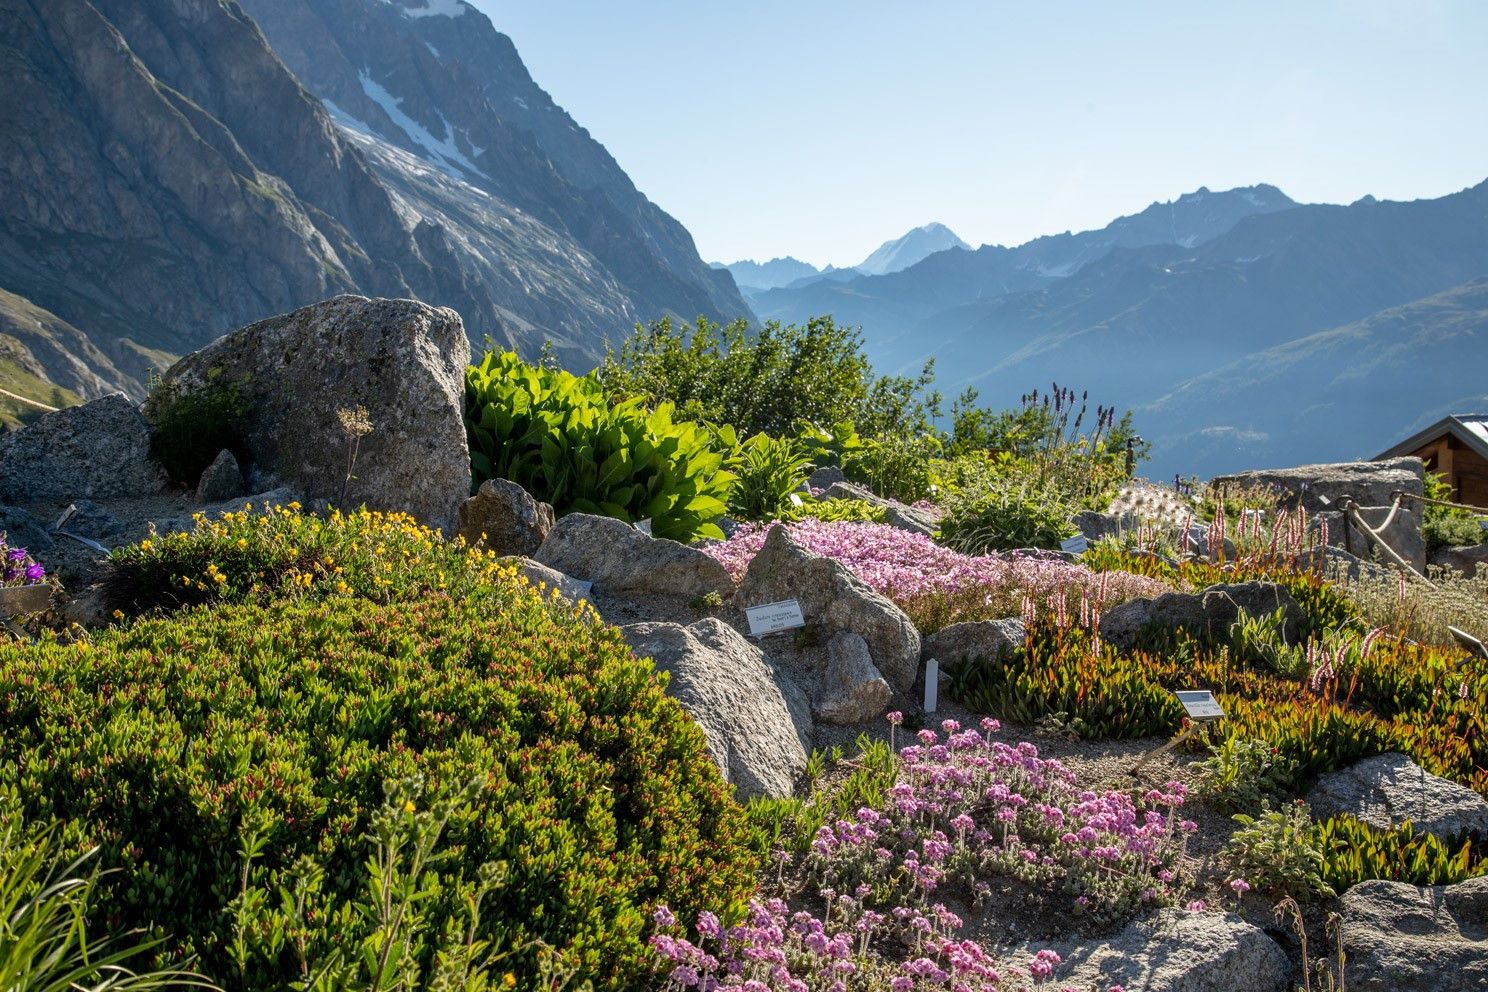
{"points": [[1469, 428]]}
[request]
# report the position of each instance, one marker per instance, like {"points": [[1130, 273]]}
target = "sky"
{"points": [[821, 128]]}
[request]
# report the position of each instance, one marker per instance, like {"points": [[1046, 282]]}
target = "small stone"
{"points": [[851, 690], [505, 518], [222, 480]]}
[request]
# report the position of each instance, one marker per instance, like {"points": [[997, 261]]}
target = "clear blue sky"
{"points": [[820, 128]]}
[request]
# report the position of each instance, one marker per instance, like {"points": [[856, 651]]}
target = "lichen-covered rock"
{"points": [[851, 689], [1178, 951], [1408, 938], [834, 599], [1388, 789], [99, 450], [619, 559], [401, 360], [1315, 486], [976, 639], [505, 518], [222, 480], [756, 721]]}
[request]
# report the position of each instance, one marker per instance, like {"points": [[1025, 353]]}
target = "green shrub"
{"points": [[834, 511], [1277, 851], [45, 940], [1355, 852], [1241, 774], [1448, 526], [561, 438], [896, 465], [768, 470], [1009, 513], [188, 429], [214, 751]]}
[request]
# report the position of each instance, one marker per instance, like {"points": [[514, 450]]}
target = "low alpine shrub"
{"points": [[1355, 851], [217, 753]]}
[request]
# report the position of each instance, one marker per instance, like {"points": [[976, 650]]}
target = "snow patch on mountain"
{"points": [[437, 8], [442, 151]]}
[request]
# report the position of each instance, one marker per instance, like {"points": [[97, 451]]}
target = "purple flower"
{"points": [[35, 573]]}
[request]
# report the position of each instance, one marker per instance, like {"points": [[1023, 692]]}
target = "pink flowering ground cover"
{"points": [[967, 817], [933, 584]]}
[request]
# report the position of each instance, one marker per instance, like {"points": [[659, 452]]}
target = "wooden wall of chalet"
{"points": [[1464, 468]]}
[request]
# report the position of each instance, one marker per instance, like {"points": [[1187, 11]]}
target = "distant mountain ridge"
{"points": [[168, 179], [891, 256]]}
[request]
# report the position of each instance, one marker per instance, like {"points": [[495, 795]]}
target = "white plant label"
{"points": [[795, 499], [1200, 705], [932, 685], [1075, 545], [771, 617]]}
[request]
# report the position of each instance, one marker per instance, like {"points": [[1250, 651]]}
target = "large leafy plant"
{"points": [[561, 438], [768, 471]]}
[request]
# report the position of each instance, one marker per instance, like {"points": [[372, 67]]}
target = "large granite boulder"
{"points": [[621, 560], [1400, 529], [1315, 486], [403, 361], [833, 599], [1388, 789], [851, 690], [1469, 559], [1408, 938], [1177, 951], [1209, 612], [989, 640], [505, 518], [896, 514], [99, 450], [756, 721]]}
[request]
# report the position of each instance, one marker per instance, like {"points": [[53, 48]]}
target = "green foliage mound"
{"points": [[189, 428], [183, 744], [560, 437]]}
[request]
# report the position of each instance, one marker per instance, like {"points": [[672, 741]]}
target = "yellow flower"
{"points": [[408, 806], [509, 980], [145, 545]]}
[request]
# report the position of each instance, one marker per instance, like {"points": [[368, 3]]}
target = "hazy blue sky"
{"points": [[819, 128]]}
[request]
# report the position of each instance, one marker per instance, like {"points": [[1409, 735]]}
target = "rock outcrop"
{"points": [[1388, 789], [403, 361], [1178, 951], [99, 450], [988, 640], [1407, 938], [833, 599], [1315, 487], [621, 560], [504, 518], [1210, 611], [756, 721]]}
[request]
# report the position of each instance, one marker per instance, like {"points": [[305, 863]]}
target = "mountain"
{"points": [[890, 306], [902, 252], [1345, 393], [777, 272], [169, 178]]}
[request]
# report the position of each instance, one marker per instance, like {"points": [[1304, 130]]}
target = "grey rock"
{"points": [[1369, 483], [756, 721], [222, 480], [22, 530], [617, 558], [1388, 789], [1096, 525], [1208, 612], [851, 690], [1178, 951], [505, 518], [1401, 531], [538, 574], [87, 519], [402, 360], [1469, 559], [835, 599], [1407, 938], [99, 450], [978, 639], [896, 514], [825, 478]]}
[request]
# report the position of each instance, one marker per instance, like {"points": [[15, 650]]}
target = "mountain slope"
{"points": [[902, 252], [439, 81], [168, 179], [1348, 392], [889, 307], [777, 272]]}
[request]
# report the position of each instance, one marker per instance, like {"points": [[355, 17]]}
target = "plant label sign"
{"points": [[1200, 705], [1075, 545], [771, 617], [932, 685]]}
